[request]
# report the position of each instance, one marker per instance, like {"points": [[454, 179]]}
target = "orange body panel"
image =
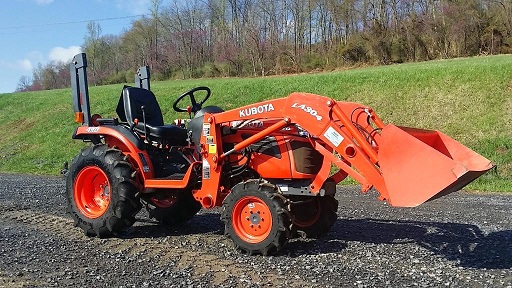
{"points": [[114, 138], [145, 167], [269, 166]]}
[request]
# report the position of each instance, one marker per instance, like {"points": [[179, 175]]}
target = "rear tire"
{"points": [[100, 191], [255, 218], [313, 217], [173, 210]]}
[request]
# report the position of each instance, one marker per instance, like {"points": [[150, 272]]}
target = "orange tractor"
{"points": [[268, 165]]}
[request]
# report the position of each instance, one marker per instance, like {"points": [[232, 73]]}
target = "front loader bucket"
{"points": [[418, 165]]}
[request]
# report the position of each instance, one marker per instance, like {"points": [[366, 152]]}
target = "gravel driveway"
{"points": [[461, 240]]}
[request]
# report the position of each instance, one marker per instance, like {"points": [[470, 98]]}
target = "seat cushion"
{"points": [[173, 135]]}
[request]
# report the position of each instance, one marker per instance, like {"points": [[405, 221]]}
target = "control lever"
{"points": [[143, 108]]}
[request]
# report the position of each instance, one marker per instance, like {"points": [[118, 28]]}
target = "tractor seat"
{"points": [[130, 106]]}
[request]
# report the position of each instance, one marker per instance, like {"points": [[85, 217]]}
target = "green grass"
{"points": [[469, 99]]}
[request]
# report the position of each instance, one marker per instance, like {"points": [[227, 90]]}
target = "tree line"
{"points": [[223, 38]]}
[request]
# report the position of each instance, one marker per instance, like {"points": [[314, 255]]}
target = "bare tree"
{"points": [[204, 38], [24, 84]]}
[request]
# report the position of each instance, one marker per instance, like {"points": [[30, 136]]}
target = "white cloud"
{"points": [[60, 54], [135, 7], [43, 2], [24, 65], [32, 59]]}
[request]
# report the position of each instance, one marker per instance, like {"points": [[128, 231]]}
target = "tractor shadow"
{"points": [[465, 244], [205, 223], [462, 243]]}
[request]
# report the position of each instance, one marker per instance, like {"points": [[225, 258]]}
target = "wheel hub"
{"points": [[255, 219], [106, 190]]}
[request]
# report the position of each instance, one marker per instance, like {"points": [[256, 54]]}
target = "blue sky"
{"points": [[39, 31]]}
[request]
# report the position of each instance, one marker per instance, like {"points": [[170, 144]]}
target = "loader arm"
{"points": [[357, 136]]}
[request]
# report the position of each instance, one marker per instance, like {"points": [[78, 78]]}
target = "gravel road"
{"points": [[461, 240]]}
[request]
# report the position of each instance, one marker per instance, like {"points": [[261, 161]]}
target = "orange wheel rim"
{"points": [[92, 192], [252, 219], [164, 203]]}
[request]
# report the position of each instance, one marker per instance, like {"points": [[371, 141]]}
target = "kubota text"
{"points": [[256, 110]]}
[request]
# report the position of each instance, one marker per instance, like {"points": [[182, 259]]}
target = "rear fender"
{"points": [[124, 140]]}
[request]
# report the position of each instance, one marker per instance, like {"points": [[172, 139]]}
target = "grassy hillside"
{"points": [[468, 99]]}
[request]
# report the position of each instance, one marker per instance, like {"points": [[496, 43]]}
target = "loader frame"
{"points": [[325, 136]]}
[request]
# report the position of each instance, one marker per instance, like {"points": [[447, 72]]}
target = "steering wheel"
{"points": [[196, 106]]}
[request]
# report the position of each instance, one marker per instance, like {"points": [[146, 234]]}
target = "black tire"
{"points": [[313, 217], [113, 209], [247, 212], [182, 209]]}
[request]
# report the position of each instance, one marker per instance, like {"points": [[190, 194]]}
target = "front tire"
{"points": [[313, 217], [101, 192], [255, 218]]}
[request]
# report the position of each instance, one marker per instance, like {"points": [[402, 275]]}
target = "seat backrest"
{"points": [[129, 106]]}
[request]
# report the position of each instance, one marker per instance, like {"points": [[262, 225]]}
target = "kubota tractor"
{"points": [[268, 165]]}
